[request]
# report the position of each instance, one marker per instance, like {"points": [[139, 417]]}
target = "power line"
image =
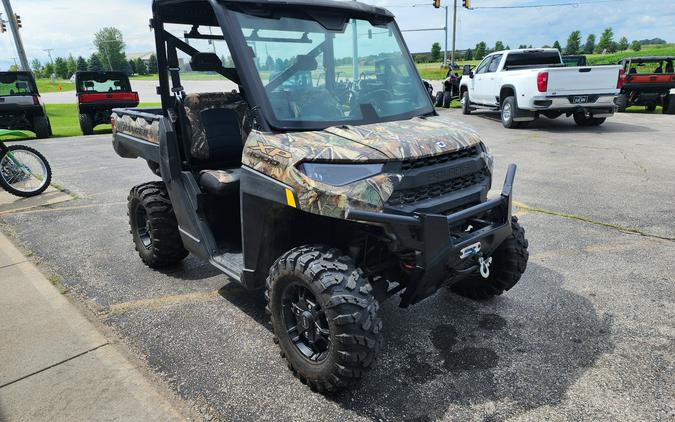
{"points": [[533, 6]]}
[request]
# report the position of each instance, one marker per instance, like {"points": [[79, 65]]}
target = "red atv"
{"points": [[98, 93], [648, 81]]}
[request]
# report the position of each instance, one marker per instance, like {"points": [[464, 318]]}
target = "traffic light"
{"points": [[466, 4], [437, 4], [17, 19]]}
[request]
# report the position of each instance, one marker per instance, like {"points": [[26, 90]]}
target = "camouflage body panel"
{"points": [[278, 155], [198, 103], [136, 127]]}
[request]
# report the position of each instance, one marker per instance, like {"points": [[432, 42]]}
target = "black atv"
{"points": [[328, 194], [20, 105]]}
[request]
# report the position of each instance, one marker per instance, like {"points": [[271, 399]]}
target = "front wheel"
{"points": [[466, 104], [24, 171], [324, 316], [508, 265]]}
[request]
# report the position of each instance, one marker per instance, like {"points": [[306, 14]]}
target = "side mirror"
{"points": [[471, 74]]}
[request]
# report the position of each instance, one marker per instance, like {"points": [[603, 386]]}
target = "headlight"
{"points": [[339, 174], [489, 158]]}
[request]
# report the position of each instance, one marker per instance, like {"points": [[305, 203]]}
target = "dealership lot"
{"points": [[588, 333]]}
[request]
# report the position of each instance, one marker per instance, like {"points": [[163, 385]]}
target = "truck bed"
{"points": [[136, 132]]}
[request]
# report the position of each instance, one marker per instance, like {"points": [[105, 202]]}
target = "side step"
{"points": [[231, 264]]}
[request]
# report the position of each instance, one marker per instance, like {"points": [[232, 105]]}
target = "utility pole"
{"points": [[445, 53], [14, 27], [454, 29], [49, 53]]}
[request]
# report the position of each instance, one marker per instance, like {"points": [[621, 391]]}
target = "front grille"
{"points": [[439, 159], [410, 196]]}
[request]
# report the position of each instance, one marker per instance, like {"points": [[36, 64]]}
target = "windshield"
{"points": [[96, 83], [12, 83], [311, 80]]}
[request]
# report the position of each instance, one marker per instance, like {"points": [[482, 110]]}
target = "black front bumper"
{"points": [[439, 240]]}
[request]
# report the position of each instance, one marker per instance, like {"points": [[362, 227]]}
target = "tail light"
{"points": [[135, 96], [619, 82], [542, 81], [36, 100]]}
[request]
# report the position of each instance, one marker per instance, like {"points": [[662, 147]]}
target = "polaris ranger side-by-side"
{"points": [[98, 93], [20, 105], [332, 196]]}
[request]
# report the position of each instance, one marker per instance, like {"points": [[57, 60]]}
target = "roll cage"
{"points": [[220, 13]]}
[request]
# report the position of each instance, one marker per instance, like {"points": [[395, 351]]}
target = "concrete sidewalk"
{"points": [[55, 365]]}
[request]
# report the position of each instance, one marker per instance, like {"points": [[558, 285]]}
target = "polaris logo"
{"points": [[440, 144]]}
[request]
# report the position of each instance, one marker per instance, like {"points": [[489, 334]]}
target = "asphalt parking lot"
{"points": [[587, 334]]}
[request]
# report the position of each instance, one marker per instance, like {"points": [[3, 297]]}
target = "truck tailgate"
{"points": [[583, 80]]}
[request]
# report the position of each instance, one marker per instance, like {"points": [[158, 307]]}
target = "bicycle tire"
{"points": [[23, 193]]}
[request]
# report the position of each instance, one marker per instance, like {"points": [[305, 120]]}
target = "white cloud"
{"points": [[647, 19]]}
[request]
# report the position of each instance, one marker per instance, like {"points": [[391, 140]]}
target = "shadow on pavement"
{"points": [[566, 124]]}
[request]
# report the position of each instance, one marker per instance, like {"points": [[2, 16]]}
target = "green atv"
{"points": [[329, 190]]}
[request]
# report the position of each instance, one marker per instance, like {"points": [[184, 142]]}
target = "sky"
{"points": [[67, 26]]}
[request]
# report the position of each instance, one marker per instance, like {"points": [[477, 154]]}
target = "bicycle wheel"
{"points": [[24, 171]]}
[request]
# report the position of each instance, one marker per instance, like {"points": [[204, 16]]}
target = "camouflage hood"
{"points": [[411, 139]]}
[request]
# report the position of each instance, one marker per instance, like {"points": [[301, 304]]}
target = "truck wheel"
{"points": [[86, 124], [154, 227], [438, 101], [466, 104], [324, 316], [447, 98], [669, 104], [621, 102], [509, 263], [41, 127], [509, 113], [650, 107]]}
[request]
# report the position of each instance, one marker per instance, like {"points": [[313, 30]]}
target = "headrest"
{"points": [[206, 62]]}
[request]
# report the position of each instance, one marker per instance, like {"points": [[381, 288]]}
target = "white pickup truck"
{"points": [[525, 84]]}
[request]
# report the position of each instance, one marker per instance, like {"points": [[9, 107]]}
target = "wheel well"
{"points": [[462, 89], [506, 91]]}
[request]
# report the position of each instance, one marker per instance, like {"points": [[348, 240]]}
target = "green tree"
{"points": [[521, 46], [435, 52], [82, 64], [606, 41], [141, 68], [152, 64], [132, 65], [110, 48], [623, 44], [499, 46], [72, 65], [37, 68], [61, 68], [557, 46], [14, 68], [636, 46], [479, 51], [468, 54], [589, 47], [47, 70], [95, 63], [573, 43]]}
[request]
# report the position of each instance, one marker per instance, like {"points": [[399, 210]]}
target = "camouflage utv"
{"points": [[327, 184]]}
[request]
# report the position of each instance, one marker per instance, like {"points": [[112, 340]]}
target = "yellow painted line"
{"points": [[77, 207], [290, 199], [158, 302]]}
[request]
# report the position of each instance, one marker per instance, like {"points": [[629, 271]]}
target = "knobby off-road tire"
{"points": [[466, 104], [438, 100], [41, 127], [154, 227], [344, 298], [650, 107], [86, 124], [669, 104], [621, 102], [47, 169], [509, 263], [447, 99]]}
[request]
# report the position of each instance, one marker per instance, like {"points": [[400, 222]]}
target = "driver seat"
{"points": [[219, 125]]}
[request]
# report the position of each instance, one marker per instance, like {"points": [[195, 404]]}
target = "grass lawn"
{"points": [[45, 85], [647, 50], [65, 122]]}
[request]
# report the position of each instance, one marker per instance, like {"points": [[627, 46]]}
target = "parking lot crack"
{"points": [[622, 229]]}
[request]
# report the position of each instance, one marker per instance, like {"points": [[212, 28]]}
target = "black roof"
{"points": [[200, 11]]}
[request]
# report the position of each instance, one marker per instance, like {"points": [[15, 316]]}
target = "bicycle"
{"points": [[24, 171]]}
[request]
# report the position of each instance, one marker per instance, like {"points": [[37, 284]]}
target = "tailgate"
{"points": [[17, 100], [583, 80]]}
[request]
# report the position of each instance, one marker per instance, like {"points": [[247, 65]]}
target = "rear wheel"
{"points": [[438, 101], [154, 227], [650, 107], [582, 120], [41, 127], [466, 104], [86, 124], [324, 316], [509, 113], [669, 104], [447, 98], [509, 263], [621, 102]]}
